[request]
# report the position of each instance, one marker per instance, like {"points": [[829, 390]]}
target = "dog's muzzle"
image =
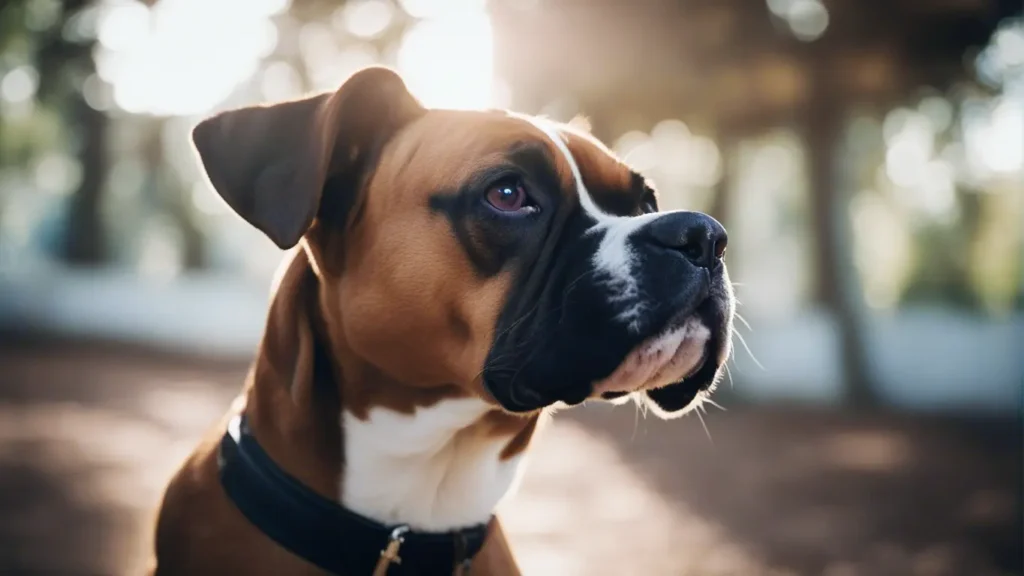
{"points": [[598, 341]]}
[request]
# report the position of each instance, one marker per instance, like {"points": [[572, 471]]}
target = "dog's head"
{"points": [[510, 255]]}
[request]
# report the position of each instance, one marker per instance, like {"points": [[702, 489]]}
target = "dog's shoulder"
{"points": [[200, 532]]}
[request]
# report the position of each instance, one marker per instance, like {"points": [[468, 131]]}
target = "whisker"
{"points": [[704, 424], [728, 373], [636, 420], [571, 285], [525, 362], [752, 357], [708, 400], [743, 320], [518, 321], [641, 406], [493, 365]]}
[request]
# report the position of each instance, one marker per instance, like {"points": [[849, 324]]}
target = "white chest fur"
{"points": [[425, 469]]}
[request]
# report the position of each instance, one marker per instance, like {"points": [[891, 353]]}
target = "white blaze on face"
{"points": [[615, 259]]}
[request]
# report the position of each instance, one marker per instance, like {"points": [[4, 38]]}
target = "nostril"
{"points": [[720, 245], [697, 237], [693, 251]]}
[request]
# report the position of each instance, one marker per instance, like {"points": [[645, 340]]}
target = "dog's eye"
{"points": [[510, 197]]}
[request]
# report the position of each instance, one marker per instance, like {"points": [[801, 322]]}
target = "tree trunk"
{"points": [[85, 241], [171, 197], [721, 202], [837, 287]]}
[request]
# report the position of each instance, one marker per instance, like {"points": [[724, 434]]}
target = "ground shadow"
{"points": [[89, 436], [854, 493]]}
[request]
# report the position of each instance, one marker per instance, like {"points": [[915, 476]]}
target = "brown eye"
{"points": [[509, 197]]}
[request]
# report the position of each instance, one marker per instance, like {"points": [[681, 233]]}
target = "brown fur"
{"points": [[609, 181], [411, 300], [381, 288], [296, 420]]}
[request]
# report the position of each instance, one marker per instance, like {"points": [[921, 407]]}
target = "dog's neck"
{"points": [[435, 459], [436, 469]]}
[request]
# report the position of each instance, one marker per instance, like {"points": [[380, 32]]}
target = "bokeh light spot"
{"points": [[19, 85], [367, 18], [448, 62], [808, 19]]}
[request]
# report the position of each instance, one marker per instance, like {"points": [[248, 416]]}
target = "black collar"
{"points": [[322, 531]]}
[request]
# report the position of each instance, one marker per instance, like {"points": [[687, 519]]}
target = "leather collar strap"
{"points": [[325, 533]]}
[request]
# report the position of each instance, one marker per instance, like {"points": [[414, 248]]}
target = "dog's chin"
{"points": [[675, 399], [672, 356], [666, 402], [670, 373]]}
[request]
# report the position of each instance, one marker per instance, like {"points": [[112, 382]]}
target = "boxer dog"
{"points": [[456, 274]]}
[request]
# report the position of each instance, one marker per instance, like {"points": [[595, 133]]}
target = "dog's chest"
{"points": [[430, 470]]}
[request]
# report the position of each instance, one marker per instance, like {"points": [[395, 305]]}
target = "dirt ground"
{"points": [[89, 434]]}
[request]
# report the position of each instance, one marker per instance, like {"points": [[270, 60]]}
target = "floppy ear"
{"points": [[270, 163]]}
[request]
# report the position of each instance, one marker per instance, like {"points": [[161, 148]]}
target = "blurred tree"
{"points": [[166, 194], [836, 289], [740, 68], [63, 42], [58, 39]]}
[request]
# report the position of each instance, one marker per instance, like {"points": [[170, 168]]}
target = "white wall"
{"points": [[202, 314], [926, 358], [921, 358]]}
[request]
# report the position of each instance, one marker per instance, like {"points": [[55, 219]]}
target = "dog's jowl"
{"points": [[455, 275]]}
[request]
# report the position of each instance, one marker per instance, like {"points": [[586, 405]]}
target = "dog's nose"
{"points": [[698, 237]]}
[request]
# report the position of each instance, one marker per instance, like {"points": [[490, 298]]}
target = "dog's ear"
{"points": [[270, 163]]}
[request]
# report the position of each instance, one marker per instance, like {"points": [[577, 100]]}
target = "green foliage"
{"points": [[54, 39]]}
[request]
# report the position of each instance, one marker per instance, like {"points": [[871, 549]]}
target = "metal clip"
{"points": [[389, 555], [462, 569], [463, 562]]}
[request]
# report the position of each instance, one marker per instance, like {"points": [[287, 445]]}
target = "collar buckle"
{"points": [[389, 555], [463, 561], [296, 517]]}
